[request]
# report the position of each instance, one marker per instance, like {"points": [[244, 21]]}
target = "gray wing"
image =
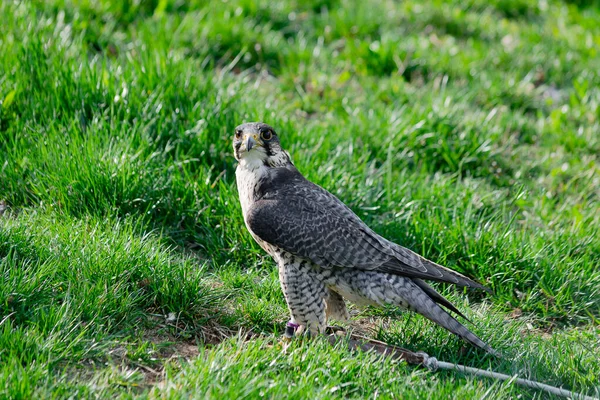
{"points": [[306, 220]]}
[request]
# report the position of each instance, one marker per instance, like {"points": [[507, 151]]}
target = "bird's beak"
{"points": [[250, 142]]}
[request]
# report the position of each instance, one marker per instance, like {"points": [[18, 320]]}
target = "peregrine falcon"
{"points": [[325, 253]]}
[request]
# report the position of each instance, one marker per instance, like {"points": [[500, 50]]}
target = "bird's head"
{"points": [[256, 144]]}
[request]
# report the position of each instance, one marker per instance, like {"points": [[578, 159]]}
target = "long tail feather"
{"points": [[422, 303], [438, 298]]}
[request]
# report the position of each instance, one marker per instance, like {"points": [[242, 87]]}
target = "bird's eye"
{"points": [[266, 135], [238, 133]]}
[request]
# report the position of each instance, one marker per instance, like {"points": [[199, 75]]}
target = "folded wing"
{"points": [[306, 220]]}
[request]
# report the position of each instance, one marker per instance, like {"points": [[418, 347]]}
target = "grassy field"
{"points": [[468, 131]]}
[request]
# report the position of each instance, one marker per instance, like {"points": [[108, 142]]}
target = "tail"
{"points": [[438, 298], [421, 302]]}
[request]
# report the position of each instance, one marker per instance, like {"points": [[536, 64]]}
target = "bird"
{"points": [[326, 255]]}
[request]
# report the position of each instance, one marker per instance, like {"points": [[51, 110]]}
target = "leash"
{"points": [[433, 364]]}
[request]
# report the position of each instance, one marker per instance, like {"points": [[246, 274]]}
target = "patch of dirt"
{"points": [[544, 332], [369, 326], [169, 346], [515, 314], [172, 347]]}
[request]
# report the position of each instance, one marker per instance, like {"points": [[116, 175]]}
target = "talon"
{"points": [[335, 330]]}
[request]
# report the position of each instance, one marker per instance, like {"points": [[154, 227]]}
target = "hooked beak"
{"points": [[250, 142]]}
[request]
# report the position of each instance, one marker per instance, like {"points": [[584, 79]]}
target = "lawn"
{"points": [[468, 131]]}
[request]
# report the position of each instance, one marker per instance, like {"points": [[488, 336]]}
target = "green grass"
{"points": [[466, 131]]}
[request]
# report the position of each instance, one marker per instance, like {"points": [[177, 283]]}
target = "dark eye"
{"points": [[266, 135], [238, 133]]}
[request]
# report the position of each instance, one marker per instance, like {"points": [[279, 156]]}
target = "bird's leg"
{"points": [[305, 296], [290, 329], [307, 325]]}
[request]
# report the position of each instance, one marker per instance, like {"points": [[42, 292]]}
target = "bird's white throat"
{"points": [[253, 159], [250, 170]]}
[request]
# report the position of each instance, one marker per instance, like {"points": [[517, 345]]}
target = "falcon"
{"points": [[325, 253]]}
